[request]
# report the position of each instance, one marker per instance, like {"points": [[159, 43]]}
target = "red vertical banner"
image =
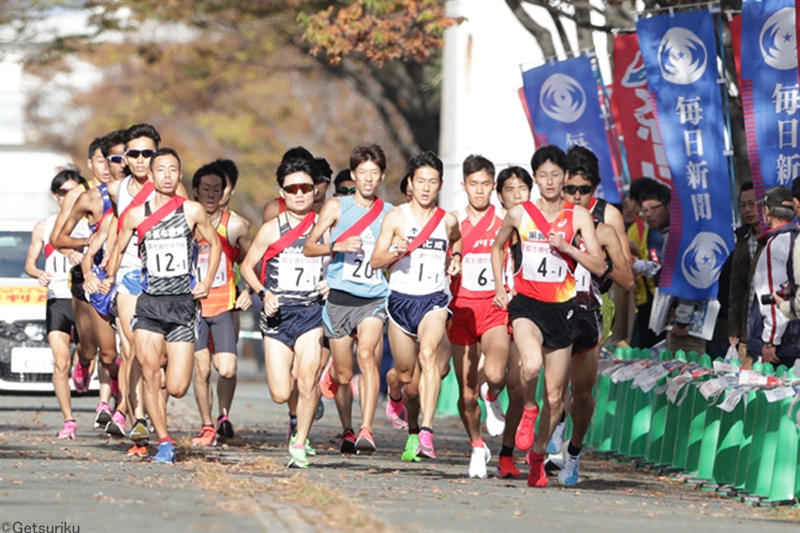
{"points": [[537, 141], [735, 25], [630, 103]]}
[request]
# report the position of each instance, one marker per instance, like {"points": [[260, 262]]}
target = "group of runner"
{"points": [[504, 292]]}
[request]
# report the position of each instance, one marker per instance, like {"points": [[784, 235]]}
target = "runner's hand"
{"points": [[557, 241], [201, 290], [244, 301], [106, 285], [500, 299], [271, 304], [75, 257], [350, 245], [323, 288], [91, 284], [647, 269], [454, 268], [402, 247], [45, 278]]}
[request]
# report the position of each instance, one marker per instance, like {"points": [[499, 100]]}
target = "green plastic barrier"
{"points": [[748, 429], [607, 425], [757, 443], [786, 470], [697, 426], [684, 423], [618, 427], [731, 426], [770, 446], [641, 413], [670, 427], [658, 422], [708, 447]]}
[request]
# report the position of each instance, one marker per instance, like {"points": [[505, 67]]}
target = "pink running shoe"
{"points": [[117, 425], [397, 413], [70, 427], [426, 444], [102, 415], [81, 377]]}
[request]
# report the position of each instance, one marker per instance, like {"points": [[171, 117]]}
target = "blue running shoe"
{"points": [[569, 473], [166, 453]]}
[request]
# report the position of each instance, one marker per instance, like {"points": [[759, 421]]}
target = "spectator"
{"points": [[791, 307]]}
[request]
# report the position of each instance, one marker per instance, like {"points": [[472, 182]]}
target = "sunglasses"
{"points": [[63, 192], [118, 159], [583, 189], [295, 188], [134, 154], [345, 191]]}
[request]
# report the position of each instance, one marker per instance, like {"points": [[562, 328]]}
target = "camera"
{"points": [[786, 292]]}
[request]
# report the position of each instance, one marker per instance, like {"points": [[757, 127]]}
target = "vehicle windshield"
{"points": [[13, 250]]}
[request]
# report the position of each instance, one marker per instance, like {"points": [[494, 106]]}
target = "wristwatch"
{"points": [[768, 345], [262, 293]]}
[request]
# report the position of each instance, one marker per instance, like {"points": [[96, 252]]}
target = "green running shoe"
{"points": [[309, 450], [298, 457], [412, 449]]}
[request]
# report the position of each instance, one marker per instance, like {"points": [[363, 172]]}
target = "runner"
{"points": [[167, 311], [541, 312], [291, 288], [59, 322], [115, 154], [216, 324], [584, 178], [413, 244], [356, 304]]}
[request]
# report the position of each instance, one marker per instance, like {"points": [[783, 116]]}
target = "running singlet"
{"points": [[130, 258], [476, 281], [350, 272], [56, 264], [545, 274], [222, 296], [167, 252], [292, 276], [588, 290], [423, 270], [107, 205]]}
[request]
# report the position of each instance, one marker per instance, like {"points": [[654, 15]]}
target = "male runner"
{"points": [[216, 324], [356, 304], [413, 244], [167, 312], [55, 276], [115, 153], [291, 288], [541, 312]]}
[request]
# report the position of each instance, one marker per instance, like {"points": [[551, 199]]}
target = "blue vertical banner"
{"points": [[680, 55], [770, 95], [565, 110]]}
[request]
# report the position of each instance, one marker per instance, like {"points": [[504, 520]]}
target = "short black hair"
{"points": [[162, 152], [98, 143], [324, 170], [551, 153], [638, 186], [295, 165], [64, 176], [113, 139], [341, 177], [404, 185], [368, 152], [143, 130], [229, 170], [583, 162], [298, 152], [206, 170], [658, 192], [475, 163], [425, 159], [747, 185], [513, 172], [796, 188]]}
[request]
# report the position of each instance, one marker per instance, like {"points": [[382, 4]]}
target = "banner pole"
{"points": [[616, 144], [726, 103]]}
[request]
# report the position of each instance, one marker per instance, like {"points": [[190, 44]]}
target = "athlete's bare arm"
{"points": [[327, 219], [266, 236], [271, 210], [592, 259], [73, 255], [91, 283], [134, 217], [509, 228], [454, 236], [113, 190], [239, 236], [198, 219], [81, 208], [621, 273], [392, 229], [33, 254], [614, 219]]}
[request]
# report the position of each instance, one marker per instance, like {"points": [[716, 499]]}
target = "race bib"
{"points": [[583, 279], [427, 267], [167, 258], [57, 264], [297, 272], [356, 267], [540, 264], [221, 277], [476, 272]]}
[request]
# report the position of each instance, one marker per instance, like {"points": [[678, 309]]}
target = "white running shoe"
{"points": [[568, 476], [555, 461], [478, 461], [557, 440], [495, 418]]}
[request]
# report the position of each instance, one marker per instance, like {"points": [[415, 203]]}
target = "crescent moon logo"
{"points": [[703, 259], [562, 98], [778, 40], [682, 56]]}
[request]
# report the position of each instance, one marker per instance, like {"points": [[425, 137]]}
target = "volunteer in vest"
{"points": [[291, 287], [59, 319], [94, 207], [542, 311], [356, 303], [216, 325], [167, 312], [413, 245], [579, 189], [477, 324]]}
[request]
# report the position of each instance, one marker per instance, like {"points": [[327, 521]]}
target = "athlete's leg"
{"points": [[344, 405], [404, 353], [202, 385], [515, 397], [431, 331], [307, 371], [151, 350], [369, 354], [495, 346], [528, 339], [465, 360], [582, 376], [59, 344], [180, 361], [278, 360], [131, 377], [411, 400], [556, 374], [226, 366]]}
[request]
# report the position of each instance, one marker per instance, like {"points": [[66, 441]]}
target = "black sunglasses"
{"points": [[118, 159], [583, 189], [345, 191], [134, 154], [63, 192], [305, 188]]}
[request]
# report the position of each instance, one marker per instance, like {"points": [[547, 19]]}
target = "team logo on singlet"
{"points": [[367, 235]]}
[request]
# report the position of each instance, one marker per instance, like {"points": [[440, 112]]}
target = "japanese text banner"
{"points": [[770, 95], [680, 55], [565, 111]]}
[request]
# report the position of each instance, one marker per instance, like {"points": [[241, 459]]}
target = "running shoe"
{"points": [[411, 451], [224, 427], [291, 430], [139, 431], [397, 413], [298, 457], [557, 440], [555, 461], [70, 427], [327, 386], [478, 461], [102, 415], [309, 450], [166, 453], [525, 430], [81, 377], [139, 450], [506, 467], [495, 418], [116, 426], [207, 437], [320, 412], [348, 444], [537, 476], [426, 444], [569, 473], [365, 444]]}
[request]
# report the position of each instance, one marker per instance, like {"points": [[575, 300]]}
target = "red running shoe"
{"points": [[327, 386], [537, 477], [506, 467], [525, 431]]}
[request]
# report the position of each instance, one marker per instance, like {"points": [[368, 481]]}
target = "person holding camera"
{"points": [[788, 300], [770, 334]]}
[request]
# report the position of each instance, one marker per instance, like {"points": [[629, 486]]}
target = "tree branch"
{"points": [[540, 33]]}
